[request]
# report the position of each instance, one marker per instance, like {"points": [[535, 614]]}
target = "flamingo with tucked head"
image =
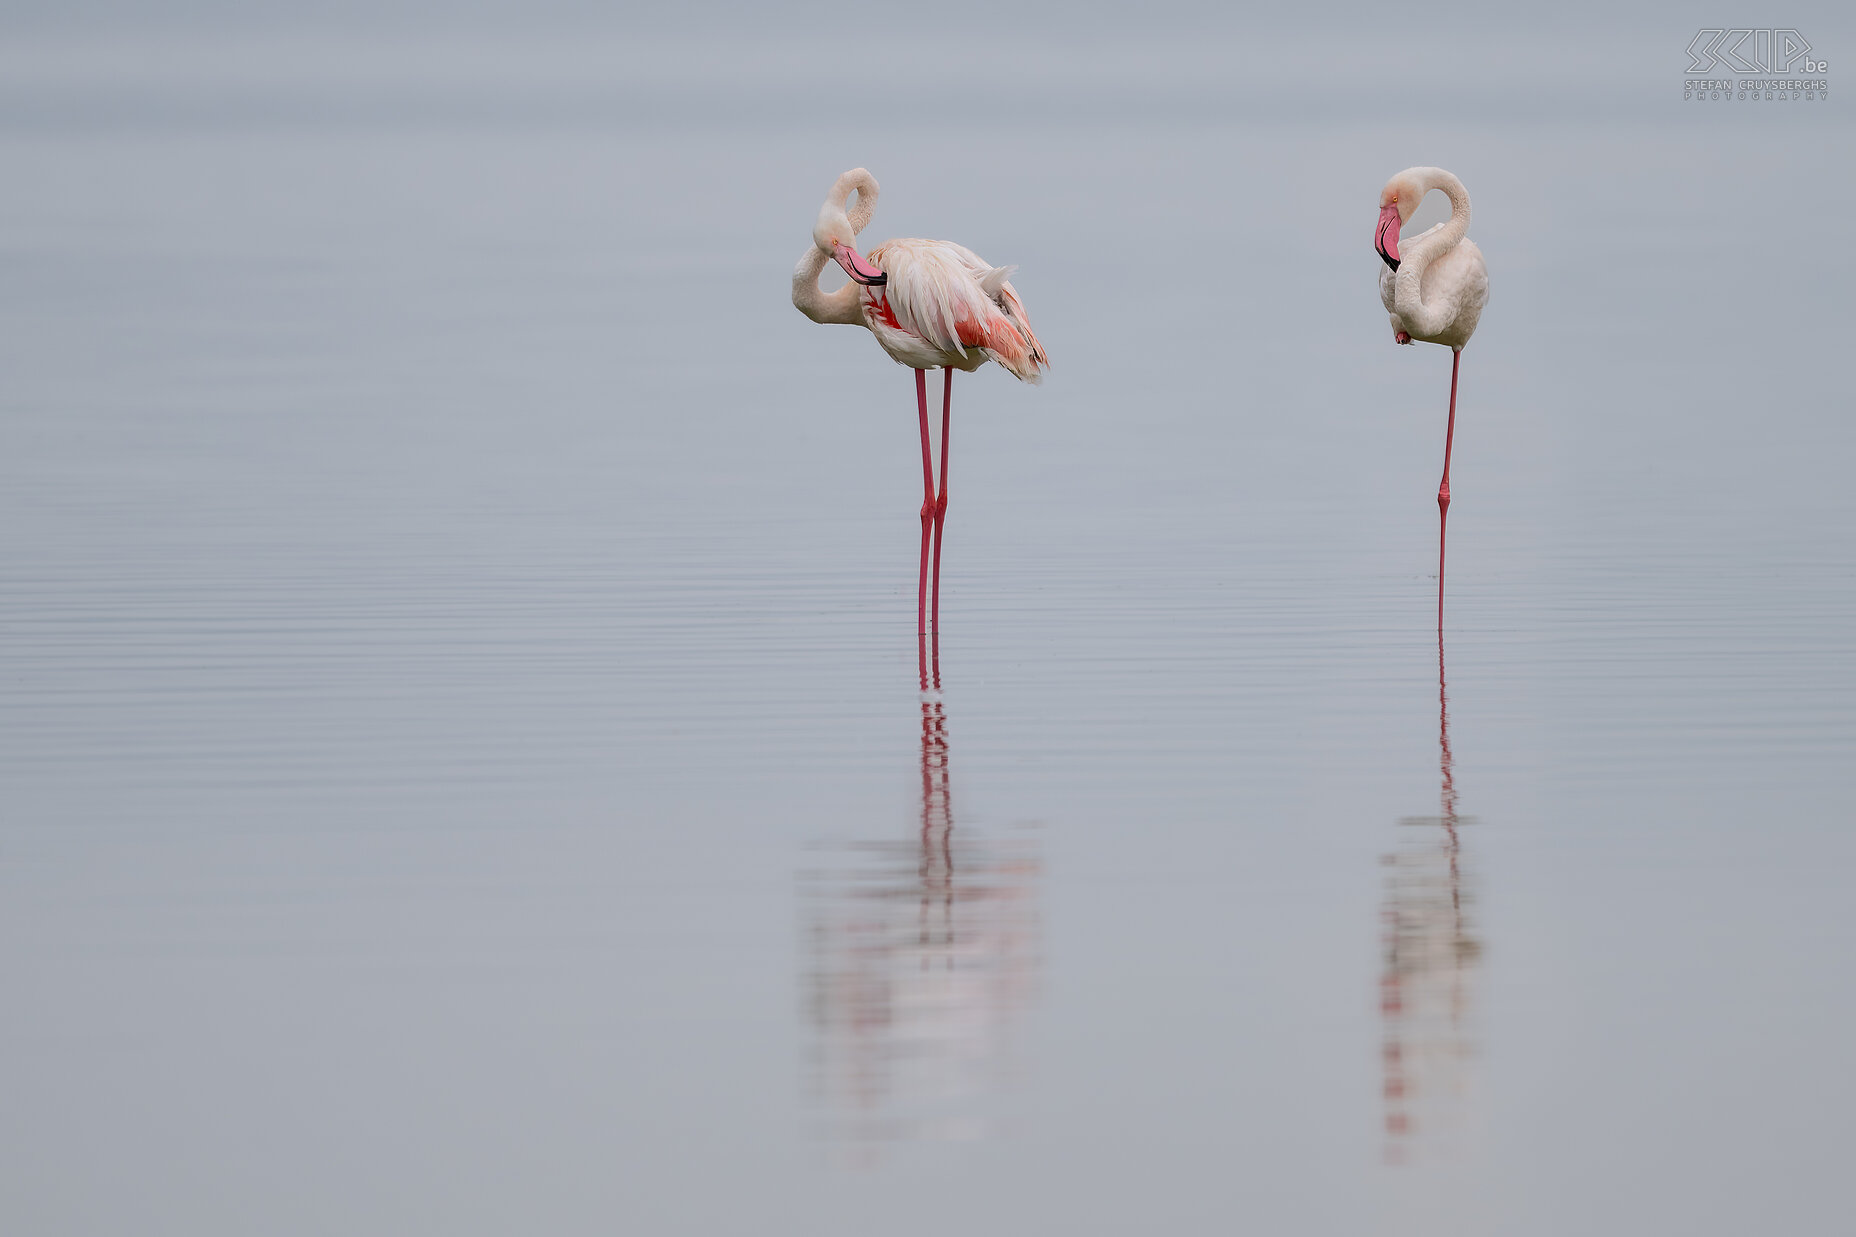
{"points": [[1434, 286], [931, 305]]}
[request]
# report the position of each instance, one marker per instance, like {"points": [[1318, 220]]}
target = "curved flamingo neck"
{"points": [[860, 182], [1427, 249], [842, 308]]}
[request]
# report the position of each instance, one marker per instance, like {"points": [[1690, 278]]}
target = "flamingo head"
{"points": [[1397, 200], [834, 234]]}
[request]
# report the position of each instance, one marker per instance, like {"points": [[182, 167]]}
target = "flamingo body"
{"points": [[945, 307], [1434, 284], [1444, 298]]}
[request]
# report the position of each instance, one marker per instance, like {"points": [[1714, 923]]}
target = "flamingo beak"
{"points": [[855, 266], [1385, 236]]}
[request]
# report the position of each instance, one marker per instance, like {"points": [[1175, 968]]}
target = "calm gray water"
{"points": [[464, 762]]}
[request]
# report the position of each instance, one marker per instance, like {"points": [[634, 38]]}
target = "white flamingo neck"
{"points": [[1428, 248], [841, 308], [859, 181]]}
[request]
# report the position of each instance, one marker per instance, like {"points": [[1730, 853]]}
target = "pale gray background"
{"points": [[452, 608]]}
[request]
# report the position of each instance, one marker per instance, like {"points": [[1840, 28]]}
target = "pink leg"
{"points": [[1443, 490], [1443, 520], [921, 588], [940, 503]]}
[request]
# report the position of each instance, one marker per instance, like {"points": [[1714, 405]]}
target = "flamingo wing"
{"points": [[946, 294]]}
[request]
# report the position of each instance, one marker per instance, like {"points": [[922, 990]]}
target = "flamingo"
{"points": [[931, 305], [1435, 292]]}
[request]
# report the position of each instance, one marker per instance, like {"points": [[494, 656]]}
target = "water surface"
{"points": [[468, 763]]}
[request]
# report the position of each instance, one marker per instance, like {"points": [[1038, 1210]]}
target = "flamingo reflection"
{"points": [[921, 954], [1430, 959]]}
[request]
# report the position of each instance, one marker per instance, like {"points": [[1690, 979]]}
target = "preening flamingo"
{"points": [[931, 305], [1434, 289]]}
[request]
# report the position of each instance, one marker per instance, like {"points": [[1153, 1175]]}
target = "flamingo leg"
{"points": [[940, 503], [921, 588], [1443, 490]]}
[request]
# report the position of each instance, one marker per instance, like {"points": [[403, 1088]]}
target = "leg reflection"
{"points": [[921, 954], [937, 840], [1430, 958]]}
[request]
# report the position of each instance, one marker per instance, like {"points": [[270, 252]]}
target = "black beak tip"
{"points": [[878, 282], [1389, 260]]}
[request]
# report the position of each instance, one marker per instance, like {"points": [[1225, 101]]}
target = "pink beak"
{"points": [[855, 266], [1385, 236]]}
